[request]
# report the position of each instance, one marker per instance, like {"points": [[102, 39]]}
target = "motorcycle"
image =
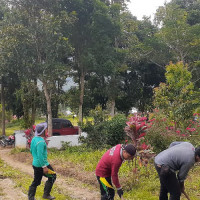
{"points": [[7, 141]]}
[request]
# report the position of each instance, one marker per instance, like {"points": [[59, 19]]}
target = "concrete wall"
{"points": [[54, 141], [20, 139]]}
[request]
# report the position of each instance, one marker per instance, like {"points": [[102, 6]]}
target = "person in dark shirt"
{"points": [[179, 157], [108, 167]]}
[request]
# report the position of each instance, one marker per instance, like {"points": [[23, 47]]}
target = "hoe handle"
{"points": [[186, 195]]}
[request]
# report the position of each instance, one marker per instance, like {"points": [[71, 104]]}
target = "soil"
{"points": [[71, 180]]}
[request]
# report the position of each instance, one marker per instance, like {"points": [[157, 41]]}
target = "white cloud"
{"points": [[139, 8]]}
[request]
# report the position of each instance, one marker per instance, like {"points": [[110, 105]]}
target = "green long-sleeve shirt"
{"points": [[39, 152]]}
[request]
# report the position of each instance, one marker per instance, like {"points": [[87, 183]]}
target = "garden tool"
{"points": [[186, 195]]}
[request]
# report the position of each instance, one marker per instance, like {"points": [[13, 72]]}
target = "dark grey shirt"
{"points": [[180, 156]]}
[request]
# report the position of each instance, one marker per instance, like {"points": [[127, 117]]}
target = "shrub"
{"points": [[103, 132], [96, 135], [159, 138], [115, 129]]}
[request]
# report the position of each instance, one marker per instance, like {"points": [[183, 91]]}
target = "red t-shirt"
{"points": [[109, 165]]}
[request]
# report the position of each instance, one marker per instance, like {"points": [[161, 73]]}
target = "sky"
{"points": [[139, 8]]}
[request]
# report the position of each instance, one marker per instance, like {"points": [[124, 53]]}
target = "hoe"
{"points": [[188, 198]]}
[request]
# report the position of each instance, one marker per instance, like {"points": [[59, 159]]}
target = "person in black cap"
{"points": [[179, 157], [108, 167], [40, 164]]}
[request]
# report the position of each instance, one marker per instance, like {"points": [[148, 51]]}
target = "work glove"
{"points": [[120, 192]]}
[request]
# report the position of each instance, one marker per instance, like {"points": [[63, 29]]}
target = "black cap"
{"points": [[129, 148], [197, 151]]}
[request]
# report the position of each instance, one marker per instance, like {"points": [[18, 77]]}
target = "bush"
{"points": [[115, 129], [96, 135], [103, 132], [160, 134]]}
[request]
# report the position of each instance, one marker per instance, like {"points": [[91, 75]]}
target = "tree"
{"points": [[90, 28], [42, 51], [177, 97], [4, 72], [176, 33]]}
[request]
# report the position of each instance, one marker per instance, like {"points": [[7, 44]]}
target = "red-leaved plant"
{"points": [[136, 129]]}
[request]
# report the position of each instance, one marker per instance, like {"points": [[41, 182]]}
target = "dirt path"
{"points": [[8, 191], [75, 189]]}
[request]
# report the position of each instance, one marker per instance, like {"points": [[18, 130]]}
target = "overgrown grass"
{"points": [[88, 158], [143, 185], [23, 181]]}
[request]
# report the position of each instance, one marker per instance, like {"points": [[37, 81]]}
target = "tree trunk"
{"points": [[112, 113], [3, 107], [33, 103], [82, 86], [49, 112]]}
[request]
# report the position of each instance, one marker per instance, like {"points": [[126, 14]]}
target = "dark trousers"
{"points": [[38, 174], [107, 193], [168, 183]]}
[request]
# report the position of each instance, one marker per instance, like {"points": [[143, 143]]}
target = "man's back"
{"points": [[180, 156]]}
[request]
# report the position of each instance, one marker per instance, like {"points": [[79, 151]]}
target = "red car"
{"points": [[63, 127]]}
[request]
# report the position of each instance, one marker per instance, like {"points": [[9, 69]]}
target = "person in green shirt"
{"points": [[40, 164]]}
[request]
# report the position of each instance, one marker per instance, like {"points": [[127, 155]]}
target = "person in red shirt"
{"points": [[108, 167]]}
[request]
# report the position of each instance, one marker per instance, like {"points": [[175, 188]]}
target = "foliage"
{"points": [[8, 114], [162, 131], [115, 130], [136, 129], [176, 33], [96, 135], [98, 114], [158, 136], [177, 98], [103, 132], [96, 130]]}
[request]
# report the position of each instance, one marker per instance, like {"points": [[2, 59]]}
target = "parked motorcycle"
{"points": [[7, 140]]}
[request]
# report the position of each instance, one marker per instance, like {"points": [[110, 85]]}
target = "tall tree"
{"points": [[47, 51], [176, 33]]}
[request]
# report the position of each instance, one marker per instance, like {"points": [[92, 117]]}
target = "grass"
{"points": [[137, 186], [23, 181], [143, 185]]}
